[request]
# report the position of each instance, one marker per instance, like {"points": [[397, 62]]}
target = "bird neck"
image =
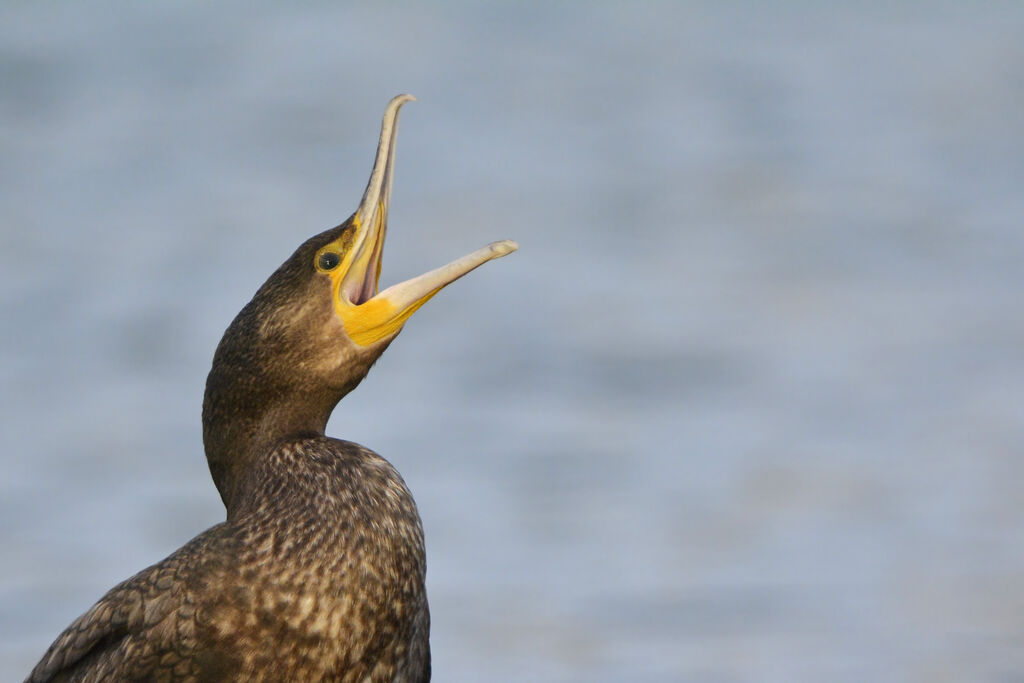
{"points": [[245, 417], [243, 423], [275, 377]]}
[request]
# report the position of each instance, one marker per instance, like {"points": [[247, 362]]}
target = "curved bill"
{"points": [[370, 316]]}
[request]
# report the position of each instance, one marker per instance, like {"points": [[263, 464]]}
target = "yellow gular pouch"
{"points": [[376, 319]]}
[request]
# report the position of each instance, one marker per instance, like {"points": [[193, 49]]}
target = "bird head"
{"points": [[312, 331], [322, 311]]}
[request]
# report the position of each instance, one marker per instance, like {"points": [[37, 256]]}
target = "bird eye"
{"points": [[328, 260]]}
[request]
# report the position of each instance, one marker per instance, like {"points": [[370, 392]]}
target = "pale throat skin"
{"points": [[318, 572]]}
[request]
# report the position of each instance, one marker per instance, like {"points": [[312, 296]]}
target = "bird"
{"points": [[318, 571]]}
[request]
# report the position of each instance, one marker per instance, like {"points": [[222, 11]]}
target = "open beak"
{"points": [[369, 315]]}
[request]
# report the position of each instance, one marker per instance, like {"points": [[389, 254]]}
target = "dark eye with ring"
{"points": [[329, 260]]}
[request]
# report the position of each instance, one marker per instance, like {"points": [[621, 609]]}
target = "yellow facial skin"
{"points": [[375, 319], [365, 323]]}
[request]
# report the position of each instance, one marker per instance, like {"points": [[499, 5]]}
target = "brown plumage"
{"points": [[318, 571]]}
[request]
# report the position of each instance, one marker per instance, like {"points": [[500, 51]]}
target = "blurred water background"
{"points": [[746, 406]]}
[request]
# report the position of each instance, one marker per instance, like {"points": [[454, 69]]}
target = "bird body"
{"points": [[318, 572], [270, 594]]}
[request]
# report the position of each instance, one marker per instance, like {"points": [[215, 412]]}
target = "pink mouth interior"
{"points": [[362, 291]]}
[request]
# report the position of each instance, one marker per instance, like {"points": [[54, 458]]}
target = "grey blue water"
{"points": [[747, 405]]}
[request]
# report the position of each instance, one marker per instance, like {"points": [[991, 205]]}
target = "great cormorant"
{"points": [[318, 571]]}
